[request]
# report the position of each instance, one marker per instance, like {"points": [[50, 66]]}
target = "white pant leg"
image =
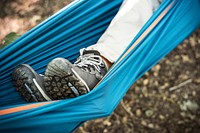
{"points": [[132, 15]]}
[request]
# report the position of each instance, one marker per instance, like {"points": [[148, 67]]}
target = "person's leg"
{"points": [[64, 80], [126, 24]]}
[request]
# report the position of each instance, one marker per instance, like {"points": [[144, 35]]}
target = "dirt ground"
{"points": [[165, 100]]}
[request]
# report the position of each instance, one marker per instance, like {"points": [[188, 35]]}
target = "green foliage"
{"points": [[9, 39]]}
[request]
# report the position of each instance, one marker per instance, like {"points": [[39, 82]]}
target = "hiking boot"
{"points": [[66, 80], [29, 84]]}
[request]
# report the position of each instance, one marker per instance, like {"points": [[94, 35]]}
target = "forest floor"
{"points": [[165, 100]]}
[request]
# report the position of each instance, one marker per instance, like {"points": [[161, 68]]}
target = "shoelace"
{"points": [[89, 59]]}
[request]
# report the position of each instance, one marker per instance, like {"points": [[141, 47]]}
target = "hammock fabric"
{"points": [[76, 26]]}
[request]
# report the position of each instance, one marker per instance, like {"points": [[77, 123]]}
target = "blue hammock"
{"points": [[76, 26]]}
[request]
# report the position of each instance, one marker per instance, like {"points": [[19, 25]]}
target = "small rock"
{"points": [[125, 120], [149, 113], [167, 62], [197, 80], [192, 106], [183, 114], [146, 94], [192, 117], [107, 123], [176, 63], [105, 130], [185, 96], [151, 125], [147, 73], [157, 67], [164, 98], [138, 90], [194, 93], [155, 74], [180, 122], [185, 58], [156, 83], [183, 107], [146, 81], [173, 96], [177, 57], [137, 101], [162, 87], [192, 41], [144, 123], [161, 117], [183, 77], [138, 112], [157, 126], [189, 105]]}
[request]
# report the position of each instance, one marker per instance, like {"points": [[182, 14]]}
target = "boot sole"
{"points": [[61, 82], [23, 77]]}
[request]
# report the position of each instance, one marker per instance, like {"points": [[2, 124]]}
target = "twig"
{"points": [[124, 107], [180, 85]]}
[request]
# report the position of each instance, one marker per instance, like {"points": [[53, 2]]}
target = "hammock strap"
{"points": [[24, 107]]}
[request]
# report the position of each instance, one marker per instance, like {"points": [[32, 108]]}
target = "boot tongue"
{"points": [[92, 52]]}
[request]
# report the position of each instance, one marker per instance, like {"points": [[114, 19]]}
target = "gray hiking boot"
{"points": [[29, 84], [66, 80]]}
